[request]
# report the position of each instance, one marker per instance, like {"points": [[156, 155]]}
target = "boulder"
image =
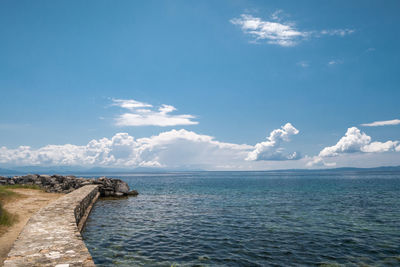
{"points": [[122, 187], [133, 193]]}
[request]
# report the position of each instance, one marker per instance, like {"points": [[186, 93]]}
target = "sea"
{"points": [[285, 218]]}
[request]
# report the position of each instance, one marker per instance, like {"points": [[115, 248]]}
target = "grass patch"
{"points": [[6, 218], [6, 195]]}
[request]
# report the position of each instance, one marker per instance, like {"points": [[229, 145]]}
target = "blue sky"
{"points": [[238, 70]]}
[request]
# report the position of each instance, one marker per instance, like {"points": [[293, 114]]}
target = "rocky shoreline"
{"points": [[108, 187]]}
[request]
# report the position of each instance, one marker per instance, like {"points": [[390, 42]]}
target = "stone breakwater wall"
{"points": [[65, 184], [52, 235]]}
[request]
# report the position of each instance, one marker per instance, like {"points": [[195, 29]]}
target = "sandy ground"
{"points": [[24, 207]]}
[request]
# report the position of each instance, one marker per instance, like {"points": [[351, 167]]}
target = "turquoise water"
{"points": [[250, 219]]}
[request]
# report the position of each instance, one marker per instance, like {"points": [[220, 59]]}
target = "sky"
{"points": [[210, 85]]}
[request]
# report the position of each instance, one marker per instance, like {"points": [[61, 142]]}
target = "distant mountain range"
{"points": [[78, 170], [381, 168]]}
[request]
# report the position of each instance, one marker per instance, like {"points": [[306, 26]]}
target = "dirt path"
{"points": [[24, 207]]}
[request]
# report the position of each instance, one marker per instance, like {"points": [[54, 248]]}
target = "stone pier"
{"points": [[52, 236]]}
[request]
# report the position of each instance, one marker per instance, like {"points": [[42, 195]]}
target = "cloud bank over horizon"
{"points": [[170, 149], [183, 149]]}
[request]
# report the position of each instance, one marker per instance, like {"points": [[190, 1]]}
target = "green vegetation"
{"points": [[6, 218], [6, 195]]}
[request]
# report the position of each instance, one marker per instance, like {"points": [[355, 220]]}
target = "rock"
{"points": [[133, 193], [107, 188], [122, 187], [106, 193]]}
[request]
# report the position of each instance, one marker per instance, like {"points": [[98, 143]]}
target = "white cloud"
{"points": [[357, 141], [175, 149], [338, 32], [378, 147], [303, 64], [274, 32], [353, 141], [143, 114], [335, 62], [382, 123], [182, 149], [130, 104], [271, 149], [317, 161], [172, 149], [279, 32]]}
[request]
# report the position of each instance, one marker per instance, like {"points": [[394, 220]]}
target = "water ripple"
{"points": [[250, 219]]}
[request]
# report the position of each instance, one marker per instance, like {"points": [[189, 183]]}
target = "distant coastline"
{"points": [[64, 170]]}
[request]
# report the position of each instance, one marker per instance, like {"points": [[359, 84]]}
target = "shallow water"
{"points": [[250, 219]]}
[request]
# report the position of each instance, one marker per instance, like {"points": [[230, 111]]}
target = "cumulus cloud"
{"points": [[382, 123], [278, 32], [318, 161], [356, 141], [175, 148], [143, 114], [271, 149], [353, 141]]}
